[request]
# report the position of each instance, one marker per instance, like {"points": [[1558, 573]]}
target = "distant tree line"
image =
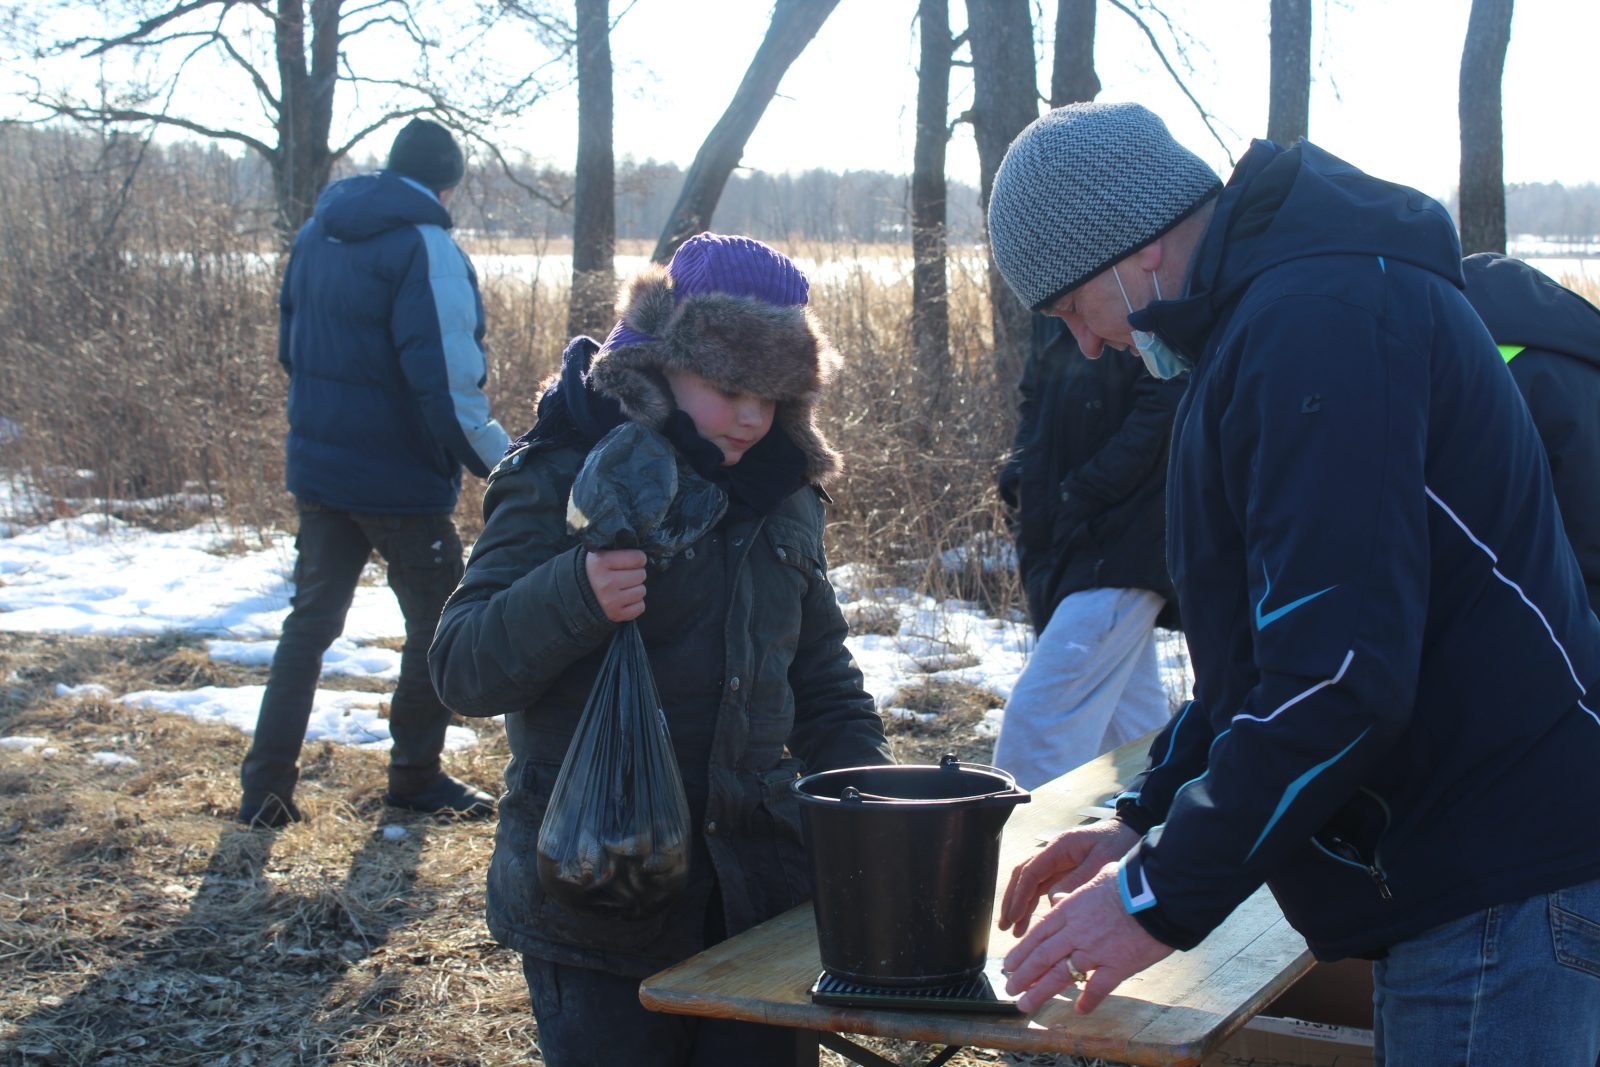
{"points": [[1555, 212], [816, 205], [857, 206]]}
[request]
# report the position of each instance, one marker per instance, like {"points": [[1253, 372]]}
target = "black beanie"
{"points": [[424, 151]]}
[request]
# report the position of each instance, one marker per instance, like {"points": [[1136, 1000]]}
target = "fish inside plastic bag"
{"points": [[615, 838]]}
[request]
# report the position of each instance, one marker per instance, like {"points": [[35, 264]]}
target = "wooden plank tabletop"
{"points": [[1169, 1015]]}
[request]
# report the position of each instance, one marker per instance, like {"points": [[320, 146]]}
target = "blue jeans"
{"points": [[423, 554], [1518, 983]]}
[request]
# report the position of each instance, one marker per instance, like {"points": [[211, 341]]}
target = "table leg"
{"points": [[867, 1058]]}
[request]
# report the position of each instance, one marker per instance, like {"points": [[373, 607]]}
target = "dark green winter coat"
{"points": [[746, 641]]}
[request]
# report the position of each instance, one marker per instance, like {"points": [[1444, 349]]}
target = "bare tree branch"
{"points": [[263, 90], [794, 23], [117, 114], [1205, 116], [560, 203], [294, 56], [355, 138], [149, 26]]}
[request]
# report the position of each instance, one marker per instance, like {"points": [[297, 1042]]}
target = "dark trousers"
{"points": [[592, 1019], [423, 554]]}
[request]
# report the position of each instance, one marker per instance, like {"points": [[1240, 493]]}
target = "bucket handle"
{"points": [[1012, 795]]}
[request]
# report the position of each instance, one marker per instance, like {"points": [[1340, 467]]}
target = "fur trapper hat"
{"points": [[731, 310]]}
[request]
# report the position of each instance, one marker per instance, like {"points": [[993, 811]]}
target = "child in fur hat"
{"points": [[718, 353]]}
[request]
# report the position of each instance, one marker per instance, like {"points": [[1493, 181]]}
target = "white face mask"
{"points": [[1160, 359]]}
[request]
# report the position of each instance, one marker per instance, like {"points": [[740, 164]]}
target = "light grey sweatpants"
{"points": [[1090, 684]]}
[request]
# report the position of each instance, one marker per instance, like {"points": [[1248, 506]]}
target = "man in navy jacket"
{"points": [[381, 329], [1394, 723]]}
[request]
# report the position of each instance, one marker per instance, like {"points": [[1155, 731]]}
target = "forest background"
{"points": [[159, 156], [141, 239]]}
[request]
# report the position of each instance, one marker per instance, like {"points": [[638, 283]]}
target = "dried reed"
{"points": [[138, 315]]}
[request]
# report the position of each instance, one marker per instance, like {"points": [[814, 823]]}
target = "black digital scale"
{"points": [[983, 992]]}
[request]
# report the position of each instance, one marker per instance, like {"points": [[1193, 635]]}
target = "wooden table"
{"points": [[1174, 1013]]}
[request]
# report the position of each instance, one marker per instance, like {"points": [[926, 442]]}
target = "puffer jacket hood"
{"points": [[1523, 306], [1550, 339], [381, 331], [359, 208], [1276, 205]]}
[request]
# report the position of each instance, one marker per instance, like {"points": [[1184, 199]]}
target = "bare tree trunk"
{"points": [[1005, 98], [1072, 76], [1483, 189], [594, 212], [301, 162], [1289, 96], [285, 58], [930, 294], [794, 24]]}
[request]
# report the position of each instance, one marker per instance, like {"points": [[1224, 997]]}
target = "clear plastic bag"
{"points": [[615, 839]]}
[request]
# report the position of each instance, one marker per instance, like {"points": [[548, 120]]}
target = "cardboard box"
{"points": [[1323, 1020]]}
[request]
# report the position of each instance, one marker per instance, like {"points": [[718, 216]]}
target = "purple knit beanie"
{"points": [[731, 265], [737, 266]]}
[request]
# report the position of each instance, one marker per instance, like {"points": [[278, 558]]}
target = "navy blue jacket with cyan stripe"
{"points": [[1389, 634], [381, 331]]}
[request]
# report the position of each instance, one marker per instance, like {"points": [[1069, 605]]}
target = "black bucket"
{"points": [[903, 864]]}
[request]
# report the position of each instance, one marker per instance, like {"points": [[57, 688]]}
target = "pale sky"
{"points": [[1383, 97]]}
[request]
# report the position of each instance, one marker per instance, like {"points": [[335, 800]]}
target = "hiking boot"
{"points": [[443, 795], [268, 811]]}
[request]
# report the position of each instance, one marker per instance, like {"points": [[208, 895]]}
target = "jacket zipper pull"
{"points": [[1373, 870]]}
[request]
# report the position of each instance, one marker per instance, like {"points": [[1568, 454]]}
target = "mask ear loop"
{"points": [[1154, 278], [1125, 301]]}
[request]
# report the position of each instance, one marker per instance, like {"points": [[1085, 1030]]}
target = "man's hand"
{"points": [[1086, 932], [1070, 860], [617, 578]]}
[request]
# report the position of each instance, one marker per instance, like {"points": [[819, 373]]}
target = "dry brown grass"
{"points": [[140, 364], [140, 925]]}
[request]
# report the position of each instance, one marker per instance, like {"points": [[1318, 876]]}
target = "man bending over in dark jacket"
{"points": [[1396, 713]]}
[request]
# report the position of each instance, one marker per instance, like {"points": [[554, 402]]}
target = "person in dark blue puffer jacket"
{"points": [[1395, 723], [381, 330]]}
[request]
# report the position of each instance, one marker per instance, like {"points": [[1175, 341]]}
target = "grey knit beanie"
{"points": [[1083, 187]]}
